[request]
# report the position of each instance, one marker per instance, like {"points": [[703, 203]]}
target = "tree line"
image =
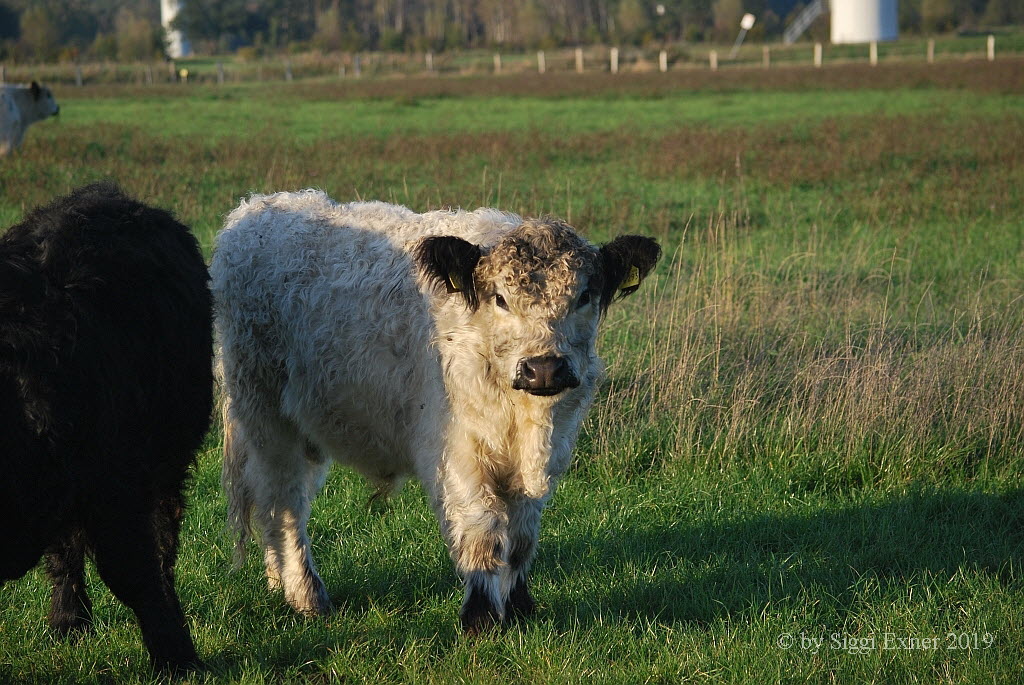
{"points": [[67, 30]]}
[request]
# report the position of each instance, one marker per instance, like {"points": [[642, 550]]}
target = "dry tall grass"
{"points": [[838, 381]]}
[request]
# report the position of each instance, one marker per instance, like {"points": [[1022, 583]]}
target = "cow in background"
{"points": [[21, 106]]}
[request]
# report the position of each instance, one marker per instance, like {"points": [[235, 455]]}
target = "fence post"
{"points": [[78, 75], [991, 47], [873, 53], [3, 73], [357, 66], [430, 60], [220, 73], [579, 60], [172, 71], [614, 61], [287, 70], [766, 57], [149, 74], [497, 63], [713, 60], [931, 50], [541, 65], [817, 54], [663, 61]]}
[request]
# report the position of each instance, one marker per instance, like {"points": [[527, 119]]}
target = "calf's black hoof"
{"points": [[64, 625], [520, 604], [478, 616]]}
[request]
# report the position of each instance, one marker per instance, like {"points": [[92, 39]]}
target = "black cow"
{"points": [[105, 394]]}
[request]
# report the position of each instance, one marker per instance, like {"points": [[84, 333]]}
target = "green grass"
{"points": [[813, 419], [223, 113]]}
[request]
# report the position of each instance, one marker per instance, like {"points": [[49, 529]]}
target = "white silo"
{"points": [[863, 21], [177, 43]]}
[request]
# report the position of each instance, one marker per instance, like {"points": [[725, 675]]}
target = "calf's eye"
{"points": [[500, 301], [584, 299]]}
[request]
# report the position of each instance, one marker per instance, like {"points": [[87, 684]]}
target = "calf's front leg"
{"points": [[481, 552], [475, 526], [524, 530], [493, 546]]}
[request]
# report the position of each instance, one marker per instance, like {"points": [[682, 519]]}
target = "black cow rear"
{"points": [[105, 394]]}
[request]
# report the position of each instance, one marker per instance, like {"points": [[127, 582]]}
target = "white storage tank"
{"points": [[177, 43], [863, 21]]}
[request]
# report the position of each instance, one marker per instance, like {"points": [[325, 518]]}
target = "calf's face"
{"points": [[535, 299]]}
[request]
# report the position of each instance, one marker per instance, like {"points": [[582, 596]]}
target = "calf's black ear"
{"points": [[35, 90], [625, 262], [450, 261]]}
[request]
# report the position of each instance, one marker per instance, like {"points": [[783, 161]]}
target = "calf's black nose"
{"points": [[544, 375]]}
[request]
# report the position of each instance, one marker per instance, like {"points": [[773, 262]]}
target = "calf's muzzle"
{"points": [[544, 376]]}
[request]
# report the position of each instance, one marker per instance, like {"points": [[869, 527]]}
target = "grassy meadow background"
{"points": [[812, 424]]}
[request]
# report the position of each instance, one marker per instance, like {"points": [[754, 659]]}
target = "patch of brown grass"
{"points": [[1005, 75]]}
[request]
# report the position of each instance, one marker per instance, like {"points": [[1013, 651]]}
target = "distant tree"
{"points": [[137, 38], [104, 47], [631, 20], [727, 15], [968, 12], [40, 34], [692, 17], [329, 34], [534, 27], [1001, 12], [938, 15], [909, 16], [454, 36], [391, 40], [432, 24], [239, 21]]}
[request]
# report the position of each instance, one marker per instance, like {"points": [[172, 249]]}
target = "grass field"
{"points": [[813, 422]]}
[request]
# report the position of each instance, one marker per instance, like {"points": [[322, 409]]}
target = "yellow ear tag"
{"points": [[632, 280], [454, 283]]}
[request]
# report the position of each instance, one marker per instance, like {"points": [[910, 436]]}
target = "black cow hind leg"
{"points": [[70, 608], [129, 559]]}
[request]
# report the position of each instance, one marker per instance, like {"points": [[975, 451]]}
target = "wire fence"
{"points": [[576, 60]]}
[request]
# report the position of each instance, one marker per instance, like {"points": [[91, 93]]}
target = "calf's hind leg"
{"points": [[70, 608], [284, 475], [128, 558], [167, 523]]}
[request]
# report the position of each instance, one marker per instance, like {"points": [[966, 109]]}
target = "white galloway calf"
{"points": [[453, 346], [21, 106]]}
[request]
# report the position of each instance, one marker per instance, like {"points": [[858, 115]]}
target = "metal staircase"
{"points": [[813, 10]]}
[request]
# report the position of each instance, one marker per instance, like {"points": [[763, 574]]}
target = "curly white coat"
{"points": [[336, 344]]}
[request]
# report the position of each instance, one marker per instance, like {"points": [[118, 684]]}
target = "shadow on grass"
{"points": [[635, 572], [694, 573], [681, 572]]}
